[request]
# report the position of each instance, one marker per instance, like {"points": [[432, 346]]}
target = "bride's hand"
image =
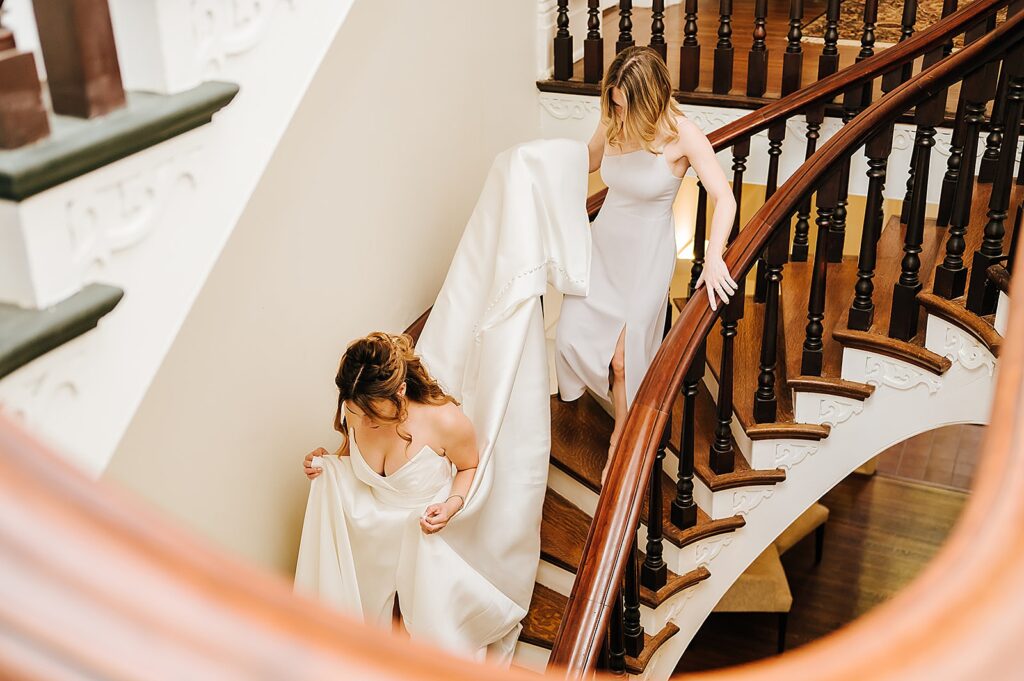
{"points": [[435, 517], [311, 470], [716, 280]]}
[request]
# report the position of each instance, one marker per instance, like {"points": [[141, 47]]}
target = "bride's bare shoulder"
{"points": [[448, 420]]}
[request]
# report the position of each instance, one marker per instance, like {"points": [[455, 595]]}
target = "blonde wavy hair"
{"points": [[650, 110], [373, 369]]}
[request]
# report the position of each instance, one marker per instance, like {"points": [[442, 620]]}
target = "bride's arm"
{"points": [[698, 150], [460, 447]]}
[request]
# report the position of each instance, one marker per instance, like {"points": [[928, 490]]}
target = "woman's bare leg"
{"points": [[618, 381]]}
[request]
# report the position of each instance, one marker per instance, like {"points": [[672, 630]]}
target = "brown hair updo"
{"points": [[373, 368]]}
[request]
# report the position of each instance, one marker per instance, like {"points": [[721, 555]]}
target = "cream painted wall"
{"points": [[351, 229]]}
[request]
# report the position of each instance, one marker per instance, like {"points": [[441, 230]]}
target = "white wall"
{"points": [[351, 229]]}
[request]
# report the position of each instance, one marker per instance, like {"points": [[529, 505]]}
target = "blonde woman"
{"points": [[643, 146]]}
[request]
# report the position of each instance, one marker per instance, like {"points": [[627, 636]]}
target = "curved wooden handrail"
{"points": [[825, 89], [576, 646]]}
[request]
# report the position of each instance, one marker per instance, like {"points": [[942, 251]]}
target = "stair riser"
{"points": [[530, 657]]}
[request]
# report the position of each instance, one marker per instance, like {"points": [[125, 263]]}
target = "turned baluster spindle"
{"points": [[979, 87], [757, 61], [722, 76], [740, 152], [776, 136], [720, 457], [684, 508], [625, 26], [981, 295], [907, 29], [700, 229], [658, 43], [765, 401], [616, 640], [654, 571], [951, 178], [877, 150], [689, 51], [990, 157], [593, 46], [813, 348], [904, 314], [563, 43], [867, 47], [837, 240], [632, 629], [793, 57]]}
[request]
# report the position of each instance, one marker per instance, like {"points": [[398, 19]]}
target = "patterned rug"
{"points": [[887, 29]]}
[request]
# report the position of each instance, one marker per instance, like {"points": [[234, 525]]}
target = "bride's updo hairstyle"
{"points": [[650, 110], [372, 371]]}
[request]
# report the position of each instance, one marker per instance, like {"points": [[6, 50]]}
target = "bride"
{"points": [[402, 473]]}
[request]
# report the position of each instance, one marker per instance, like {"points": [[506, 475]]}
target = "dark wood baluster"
{"points": [[981, 295], [976, 89], [616, 638], [877, 150], [632, 629], [654, 571], [658, 43], [689, 52], [721, 456], [828, 63], [593, 46], [793, 58], [722, 76], [903, 319], [867, 47], [700, 230], [953, 165], [684, 508], [757, 61], [625, 26], [907, 30], [811, 360], [990, 158], [776, 136], [563, 43], [765, 402]]}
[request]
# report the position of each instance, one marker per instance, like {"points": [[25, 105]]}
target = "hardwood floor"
{"points": [[881, 533], [945, 457]]}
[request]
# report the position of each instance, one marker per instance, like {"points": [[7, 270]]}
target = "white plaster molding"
{"points": [[790, 454], [563, 107], [747, 499], [951, 341], [833, 410], [709, 549], [880, 371]]}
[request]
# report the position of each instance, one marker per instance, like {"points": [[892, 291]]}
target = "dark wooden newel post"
{"points": [[77, 40], [23, 117]]}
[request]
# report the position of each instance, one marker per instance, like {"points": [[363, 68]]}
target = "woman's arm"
{"points": [[596, 147], [701, 155], [460, 447], [313, 471]]}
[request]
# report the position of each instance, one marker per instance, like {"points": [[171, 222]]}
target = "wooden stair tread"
{"points": [[832, 386], [579, 447], [563, 532], [956, 312], [545, 614]]}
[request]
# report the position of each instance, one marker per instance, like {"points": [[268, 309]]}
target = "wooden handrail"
{"points": [[837, 83], [616, 517]]}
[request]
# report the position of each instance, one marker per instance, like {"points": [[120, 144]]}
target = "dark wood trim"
{"points": [[963, 318], [1000, 278], [891, 347], [675, 584], [831, 386], [792, 431], [636, 665], [77, 146], [28, 334]]}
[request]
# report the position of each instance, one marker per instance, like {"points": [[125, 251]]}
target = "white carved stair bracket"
{"points": [[824, 409], [949, 340]]}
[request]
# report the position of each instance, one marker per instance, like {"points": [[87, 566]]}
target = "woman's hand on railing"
{"points": [[716, 279], [307, 463]]}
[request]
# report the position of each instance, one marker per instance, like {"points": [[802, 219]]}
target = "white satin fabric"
{"points": [[467, 587]]}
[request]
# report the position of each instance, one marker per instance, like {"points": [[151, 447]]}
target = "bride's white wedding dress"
{"points": [[466, 587]]}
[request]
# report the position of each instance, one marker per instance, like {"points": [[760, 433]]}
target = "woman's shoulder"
{"points": [[447, 419]]}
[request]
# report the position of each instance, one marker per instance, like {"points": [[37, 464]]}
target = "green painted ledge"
{"points": [[77, 146], [27, 334]]}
